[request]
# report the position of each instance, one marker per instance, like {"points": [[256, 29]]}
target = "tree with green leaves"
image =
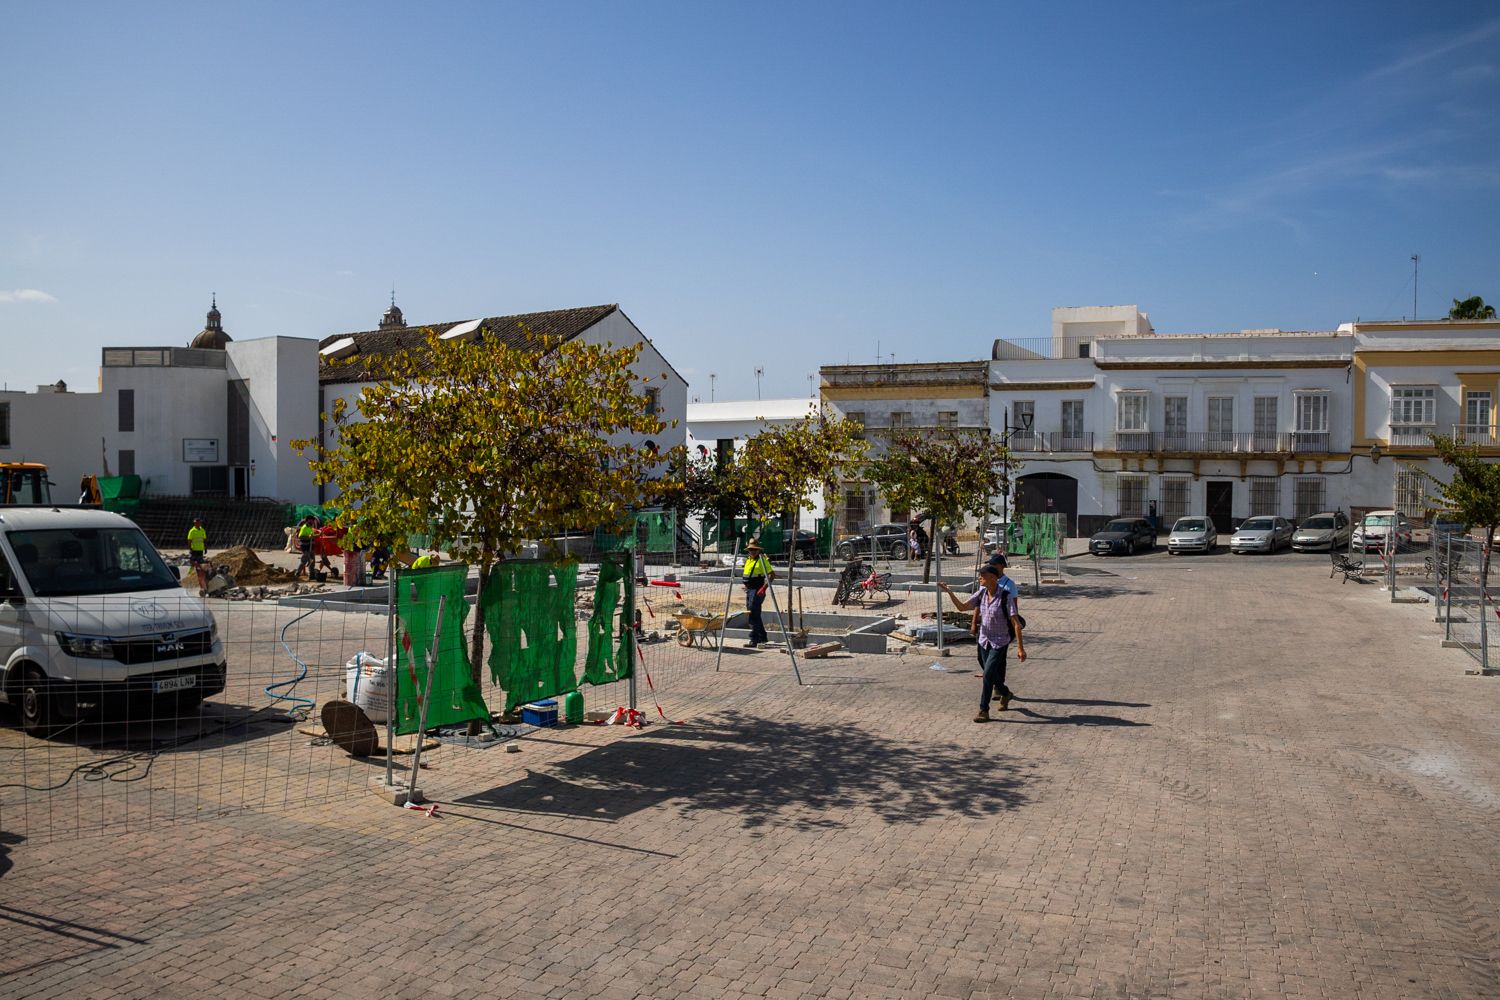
{"points": [[1472, 307], [777, 471], [488, 444], [1473, 492], [946, 474]]}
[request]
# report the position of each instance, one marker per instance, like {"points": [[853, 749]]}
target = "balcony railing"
{"points": [[1214, 443], [1482, 434], [1411, 436], [1032, 442]]}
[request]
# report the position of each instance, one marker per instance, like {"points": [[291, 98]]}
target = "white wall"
{"points": [[653, 370], [171, 403], [281, 375], [63, 430]]}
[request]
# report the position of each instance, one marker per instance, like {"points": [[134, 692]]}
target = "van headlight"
{"points": [[95, 646]]}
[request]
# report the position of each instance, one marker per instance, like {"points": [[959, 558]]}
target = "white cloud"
{"points": [[25, 295]]}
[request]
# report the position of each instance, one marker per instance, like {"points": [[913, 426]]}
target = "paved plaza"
{"points": [[1228, 777]]}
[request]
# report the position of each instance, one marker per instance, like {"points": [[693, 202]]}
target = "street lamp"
{"points": [[1005, 437]]}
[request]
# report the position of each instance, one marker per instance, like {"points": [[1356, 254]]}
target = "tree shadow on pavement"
{"points": [[770, 773]]}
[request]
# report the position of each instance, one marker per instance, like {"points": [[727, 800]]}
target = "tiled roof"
{"points": [[558, 324]]}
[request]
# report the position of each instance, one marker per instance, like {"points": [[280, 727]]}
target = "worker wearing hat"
{"points": [[757, 576]]}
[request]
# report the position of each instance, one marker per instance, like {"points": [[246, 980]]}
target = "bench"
{"points": [[1343, 564]]}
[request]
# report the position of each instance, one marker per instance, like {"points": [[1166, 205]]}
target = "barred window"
{"points": [[1411, 491], [1265, 495], [1132, 496], [1308, 497], [1174, 499], [854, 508]]}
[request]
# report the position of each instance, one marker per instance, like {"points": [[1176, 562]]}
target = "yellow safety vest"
{"points": [[758, 566], [197, 539]]}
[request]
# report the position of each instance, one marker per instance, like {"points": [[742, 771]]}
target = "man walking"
{"points": [[198, 552], [305, 534], [757, 576], [999, 619]]}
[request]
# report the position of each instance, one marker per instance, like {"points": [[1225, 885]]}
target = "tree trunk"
{"points": [[476, 642], [932, 541]]}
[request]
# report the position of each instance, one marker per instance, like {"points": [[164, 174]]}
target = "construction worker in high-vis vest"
{"points": [[758, 575]]}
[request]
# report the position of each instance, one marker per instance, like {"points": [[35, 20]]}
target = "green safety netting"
{"points": [[454, 695], [823, 530], [609, 661], [1033, 534], [121, 494], [301, 510], [660, 529], [772, 534], [528, 612]]}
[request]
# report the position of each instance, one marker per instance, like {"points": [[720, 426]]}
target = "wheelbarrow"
{"points": [[695, 630]]}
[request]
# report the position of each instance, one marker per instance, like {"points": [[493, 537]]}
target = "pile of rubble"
{"points": [[263, 593]]}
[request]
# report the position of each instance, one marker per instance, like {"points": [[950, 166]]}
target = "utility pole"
{"points": [[1416, 260], [759, 371], [711, 379]]}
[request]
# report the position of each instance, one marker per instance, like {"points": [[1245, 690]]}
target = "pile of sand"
{"points": [[245, 566]]}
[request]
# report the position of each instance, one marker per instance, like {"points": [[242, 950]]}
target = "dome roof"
{"points": [[212, 337]]}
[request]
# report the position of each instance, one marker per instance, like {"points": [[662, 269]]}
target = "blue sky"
{"points": [[774, 185]]}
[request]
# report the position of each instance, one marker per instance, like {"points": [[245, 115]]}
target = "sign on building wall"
{"points": [[200, 450]]}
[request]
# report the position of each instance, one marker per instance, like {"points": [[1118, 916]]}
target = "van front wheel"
{"points": [[36, 702]]}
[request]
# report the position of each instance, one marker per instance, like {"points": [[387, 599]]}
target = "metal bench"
{"points": [[1343, 564]]}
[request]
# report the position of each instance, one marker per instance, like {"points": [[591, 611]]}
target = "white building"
{"points": [[211, 419], [598, 325], [717, 430]]}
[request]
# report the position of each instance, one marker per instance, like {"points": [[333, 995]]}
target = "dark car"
{"points": [[890, 540], [1123, 537], [807, 543]]}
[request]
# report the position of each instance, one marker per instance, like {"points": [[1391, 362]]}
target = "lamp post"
{"points": [[1005, 437]]}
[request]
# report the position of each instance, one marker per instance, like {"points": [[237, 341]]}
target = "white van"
{"points": [[92, 620]]}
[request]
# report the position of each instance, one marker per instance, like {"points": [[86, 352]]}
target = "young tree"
{"points": [[1472, 307], [776, 469], [487, 444], [1473, 492], [947, 474]]}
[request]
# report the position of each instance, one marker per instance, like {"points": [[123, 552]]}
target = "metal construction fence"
{"points": [[259, 737], [1465, 606]]}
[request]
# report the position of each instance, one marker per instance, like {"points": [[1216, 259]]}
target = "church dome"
{"points": [[212, 337]]}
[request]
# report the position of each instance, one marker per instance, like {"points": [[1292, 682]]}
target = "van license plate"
{"points": [[178, 683]]}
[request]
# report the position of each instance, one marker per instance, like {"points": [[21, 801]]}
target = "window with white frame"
{"points": [[900, 419], [1310, 431], [1411, 491], [1309, 497], [1264, 425], [1413, 406], [1174, 499], [1130, 414], [947, 419], [1132, 495], [1265, 495], [1174, 421], [1022, 420], [1072, 425], [1477, 408], [857, 418], [1220, 420]]}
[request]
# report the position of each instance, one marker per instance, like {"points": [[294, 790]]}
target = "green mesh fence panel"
{"points": [[455, 696], [823, 530], [772, 535], [527, 608], [1033, 534], [660, 529], [609, 660]]}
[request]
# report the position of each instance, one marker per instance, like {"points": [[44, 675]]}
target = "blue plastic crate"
{"points": [[540, 713]]}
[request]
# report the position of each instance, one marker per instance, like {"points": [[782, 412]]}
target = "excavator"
{"points": [[24, 484]]}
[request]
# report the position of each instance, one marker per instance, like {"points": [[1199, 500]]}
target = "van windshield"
{"points": [[71, 562]]}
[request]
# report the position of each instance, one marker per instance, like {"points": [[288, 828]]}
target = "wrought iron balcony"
{"points": [[1217, 443], [1480, 434], [1411, 436], [1032, 442]]}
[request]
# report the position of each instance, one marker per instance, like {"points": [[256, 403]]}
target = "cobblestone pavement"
{"points": [[1230, 777]]}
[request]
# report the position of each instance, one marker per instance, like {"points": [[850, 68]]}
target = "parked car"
{"points": [[1372, 531], [1192, 534], [890, 541], [1261, 534], [1329, 530], [92, 619], [1446, 522], [806, 543], [1123, 536]]}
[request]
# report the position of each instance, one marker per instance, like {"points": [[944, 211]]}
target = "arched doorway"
{"points": [[1048, 493]]}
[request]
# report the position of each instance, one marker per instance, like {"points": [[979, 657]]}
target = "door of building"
{"points": [[1220, 497], [1049, 493]]}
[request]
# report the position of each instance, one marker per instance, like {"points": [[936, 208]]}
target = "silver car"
{"points": [[1192, 534], [1322, 531], [1261, 534]]}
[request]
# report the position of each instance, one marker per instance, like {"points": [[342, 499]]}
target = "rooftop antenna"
{"points": [[759, 371], [810, 393], [711, 378], [1416, 260]]}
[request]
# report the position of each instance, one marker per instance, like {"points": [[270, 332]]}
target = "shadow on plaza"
{"points": [[214, 725], [36, 940], [1031, 718], [7, 841], [770, 773]]}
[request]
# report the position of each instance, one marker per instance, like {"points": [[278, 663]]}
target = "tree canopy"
{"points": [[1473, 307], [1473, 492]]}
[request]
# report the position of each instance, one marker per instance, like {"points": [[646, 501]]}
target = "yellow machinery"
{"points": [[25, 483]]}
